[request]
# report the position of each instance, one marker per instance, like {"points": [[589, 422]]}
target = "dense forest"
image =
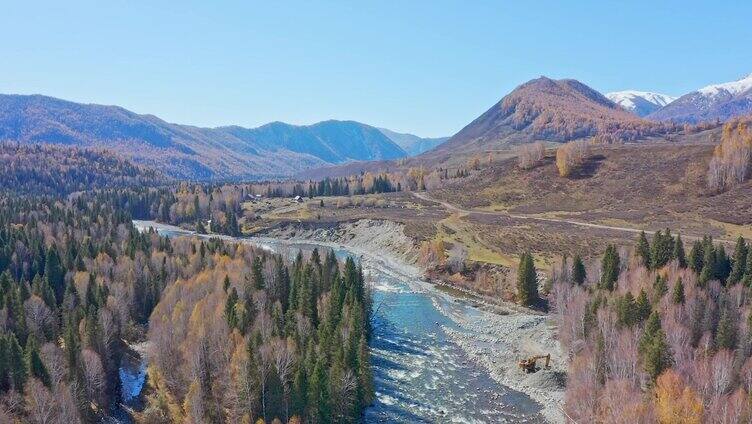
{"points": [[248, 337], [237, 333], [658, 333], [59, 170]]}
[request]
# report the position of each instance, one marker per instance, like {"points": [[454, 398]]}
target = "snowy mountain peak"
{"points": [[640, 103], [733, 88]]}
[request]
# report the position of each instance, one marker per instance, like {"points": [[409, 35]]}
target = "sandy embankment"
{"points": [[496, 337]]}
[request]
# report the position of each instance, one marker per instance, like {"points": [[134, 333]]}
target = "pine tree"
{"points": [[365, 374], [318, 395], [226, 283], [578, 270], [660, 286], [678, 295], [657, 357], [725, 337], [527, 281], [723, 264], [643, 306], [54, 274], [652, 326], [662, 249], [708, 268], [16, 364], [626, 310], [739, 267], [610, 268], [679, 254], [643, 250], [748, 274], [258, 274], [653, 348], [230, 314], [34, 362], [696, 257]]}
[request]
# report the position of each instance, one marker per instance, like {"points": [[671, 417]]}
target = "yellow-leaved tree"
{"points": [[675, 402]]}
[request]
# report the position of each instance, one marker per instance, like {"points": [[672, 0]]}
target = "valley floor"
{"points": [[494, 335]]}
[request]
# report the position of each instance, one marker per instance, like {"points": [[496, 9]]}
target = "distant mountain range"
{"points": [[413, 144], [714, 102], [187, 152], [641, 103], [542, 109]]}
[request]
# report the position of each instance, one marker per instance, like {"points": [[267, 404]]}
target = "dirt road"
{"points": [[453, 208]]}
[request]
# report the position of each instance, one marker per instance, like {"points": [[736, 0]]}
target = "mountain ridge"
{"points": [[189, 152], [721, 101]]}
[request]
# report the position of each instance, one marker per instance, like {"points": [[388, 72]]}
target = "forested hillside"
{"points": [[78, 282], [59, 170], [658, 333], [188, 152]]}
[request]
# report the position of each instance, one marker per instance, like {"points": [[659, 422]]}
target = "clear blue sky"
{"points": [[422, 67]]}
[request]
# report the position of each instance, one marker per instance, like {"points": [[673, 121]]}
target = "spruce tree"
{"points": [[696, 257], [652, 326], [578, 270], [662, 249], [679, 254], [54, 274], [657, 357], [643, 250], [610, 268], [654, 350], [626, 310], [660, 286], [643, 306], [366, 391], [527, 281], [230, 314], [678, 295], [722, 264], [16, 365], [34, 362], [226, 283], [708, 268], [258, 274], [748, 274], [739, 267], [725, 337]]}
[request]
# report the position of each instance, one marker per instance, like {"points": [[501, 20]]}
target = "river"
{"points": [[420, 373]]}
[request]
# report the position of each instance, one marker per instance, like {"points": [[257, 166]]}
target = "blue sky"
{"points": [[422, 67]]}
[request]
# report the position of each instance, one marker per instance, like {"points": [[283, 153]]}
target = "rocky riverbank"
{"points": [[496, 337]]}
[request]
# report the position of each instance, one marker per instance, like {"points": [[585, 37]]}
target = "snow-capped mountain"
{"points": [[716, 101], [640, 103]]}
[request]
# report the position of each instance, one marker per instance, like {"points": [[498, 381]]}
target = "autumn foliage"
{"points": [[668, 340], [570, 156], [732, 158], [675, 402], [530, 155]]}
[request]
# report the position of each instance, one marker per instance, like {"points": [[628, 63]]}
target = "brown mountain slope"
{"points": [[188, 152], [542, 109], [551, 110], [650, 186]]}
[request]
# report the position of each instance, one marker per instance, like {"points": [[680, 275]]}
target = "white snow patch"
{"points": [[733, 88], [627, 98]]}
